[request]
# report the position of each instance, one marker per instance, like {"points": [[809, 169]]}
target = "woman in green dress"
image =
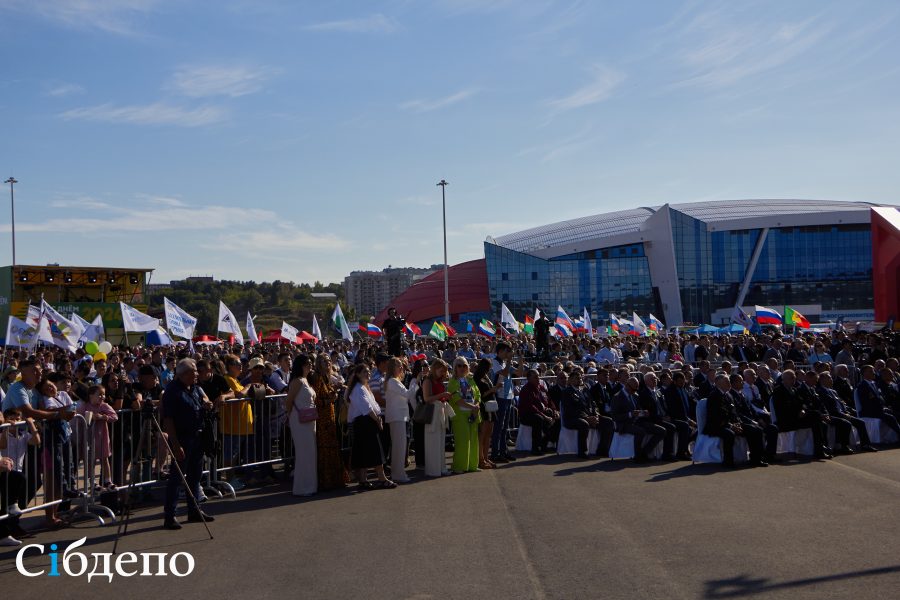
{"points": [[465, 399]]}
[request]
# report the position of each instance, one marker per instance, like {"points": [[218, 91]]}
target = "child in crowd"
{"points": [[102, 413], [14, 443]]}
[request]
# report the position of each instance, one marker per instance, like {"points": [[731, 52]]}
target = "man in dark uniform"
{"points": [[183, 404], [393, 332], [723, 421], [542, 335]]}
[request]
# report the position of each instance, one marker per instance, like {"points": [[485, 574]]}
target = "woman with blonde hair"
{"points": [[434, 391], [465, 399]]}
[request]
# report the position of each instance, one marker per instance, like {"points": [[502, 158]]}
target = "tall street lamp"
{"points": [[443, 183], [12, 203]]}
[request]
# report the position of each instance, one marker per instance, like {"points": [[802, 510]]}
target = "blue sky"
{"points": [[301, 140]]}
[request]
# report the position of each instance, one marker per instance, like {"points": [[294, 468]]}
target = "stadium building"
{"points": [[690, 263]]}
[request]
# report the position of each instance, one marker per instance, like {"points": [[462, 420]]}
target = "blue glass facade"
{"points": [[828, 265], [608, 280]]}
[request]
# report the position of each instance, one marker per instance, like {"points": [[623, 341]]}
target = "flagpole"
{"points": [[443, 183]]}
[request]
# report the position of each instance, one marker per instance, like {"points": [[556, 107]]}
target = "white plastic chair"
{"points": [[832, 437], [879, 433], [799, 441], [523, 438], [623, 446], [708, 449]]}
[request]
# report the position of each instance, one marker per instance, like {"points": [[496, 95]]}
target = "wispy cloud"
{"points": [[148, 114], [720, 49], [551, 151], [604, 80], [377, 23], [422, 105], [64, 89], [219, 80], [149, 212], [112, 16]]}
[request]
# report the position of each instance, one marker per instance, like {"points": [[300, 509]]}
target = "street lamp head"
{"points": [[11, 180], [443, 182]]}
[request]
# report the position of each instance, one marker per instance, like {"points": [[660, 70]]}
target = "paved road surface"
{"points": [[546, 527]]}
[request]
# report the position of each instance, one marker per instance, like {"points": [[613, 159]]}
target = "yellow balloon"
{"points": [[99, 356]]}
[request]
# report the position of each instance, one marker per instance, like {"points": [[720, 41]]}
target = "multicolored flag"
{"points": [[656, 325], [413, 329], [528, 325], [564, 325], [370, 329], [438, 332], [57, 330], [638, 327], [792, 317], [486, 328], [340, 323], [767, 316]]}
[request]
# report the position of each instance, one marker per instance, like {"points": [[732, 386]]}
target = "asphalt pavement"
{"points": [[542, 527]]}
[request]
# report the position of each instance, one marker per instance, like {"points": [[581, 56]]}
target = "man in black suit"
{"points": [[393, 332], [542, 335], [602, 395], [839, 411], [750, 417], [650, 400], [843, 387], [579, 411], [681, 411], [625, 413], [723, 421], [792, 412], [871, 402]]}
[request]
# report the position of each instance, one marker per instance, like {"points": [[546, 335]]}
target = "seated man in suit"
{"points": [[723, 421], [578, 410], [794, 410], [844, 388], [602, 394], [839, 411], [890, 391], [536, 412], [751, 417], [871, 401], [625, 413], [681, 411], [650, 400]]}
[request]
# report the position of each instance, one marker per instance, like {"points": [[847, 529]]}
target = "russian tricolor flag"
{"points": [[413, 329], [486, 328], [656, 324], [371, 329], [768, 316]]}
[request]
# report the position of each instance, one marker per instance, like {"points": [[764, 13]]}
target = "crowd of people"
{"points": [[336, 412]]}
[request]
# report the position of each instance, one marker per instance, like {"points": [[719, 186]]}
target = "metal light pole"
{"points": [[443, 183], [12, 203]]}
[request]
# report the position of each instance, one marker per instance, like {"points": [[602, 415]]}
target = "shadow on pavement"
{"points": [[744, 585]]}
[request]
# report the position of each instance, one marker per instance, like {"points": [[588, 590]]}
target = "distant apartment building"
{"points": [[368, 292]]}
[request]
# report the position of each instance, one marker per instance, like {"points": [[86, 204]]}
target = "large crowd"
{"points": [[336, 412]]}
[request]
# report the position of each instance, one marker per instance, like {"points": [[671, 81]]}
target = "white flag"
{"points": [[251, 330], [20, 334], [178, 322], [507, 319], [740, 317], [340, 323], [639, 326], [98, 323], [228, 323], [58, 330], [315, 328], [89, 333], [588, 326], [289, 333], [34, 316], [135, 320]]}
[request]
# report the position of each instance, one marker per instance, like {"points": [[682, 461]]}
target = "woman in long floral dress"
{"points": [[327, 384]]}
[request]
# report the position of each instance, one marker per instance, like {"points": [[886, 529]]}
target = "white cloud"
{"points": [[422, 106], [724, 49], [82, 203], [65, 89], [604, 80], [217, 80], [148, 114], [112, 16], [562, 147], [377, 23]]}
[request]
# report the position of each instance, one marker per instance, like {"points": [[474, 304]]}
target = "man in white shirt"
{"points": [[606, 354], [501, 372]]}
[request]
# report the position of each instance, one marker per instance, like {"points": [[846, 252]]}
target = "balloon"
{"points": [[105, 347], [91, 348], [99, 356]]}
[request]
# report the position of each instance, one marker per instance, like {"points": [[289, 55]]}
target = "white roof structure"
{"points": [[626, 226]]}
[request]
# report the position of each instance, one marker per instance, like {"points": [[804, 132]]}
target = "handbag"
{"points": [[424, 414], [307, 415], [491, 406]]}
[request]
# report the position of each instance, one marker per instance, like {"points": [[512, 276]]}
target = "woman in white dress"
{"points": [[396, 414], [434, 391], [300, 396]]}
